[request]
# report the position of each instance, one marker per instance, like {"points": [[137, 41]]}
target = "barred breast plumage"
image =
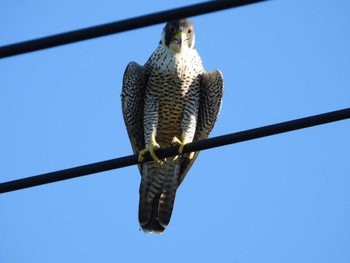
{"points": [[174, 83]]}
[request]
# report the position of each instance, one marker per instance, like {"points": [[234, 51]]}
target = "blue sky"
{"points": [[283, 198]]}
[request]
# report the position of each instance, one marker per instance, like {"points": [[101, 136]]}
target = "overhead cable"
{"points": [[173, 151], [120, 26]]}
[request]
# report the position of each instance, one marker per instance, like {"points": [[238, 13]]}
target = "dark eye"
{"points": [[189, 31], [172, 29]]}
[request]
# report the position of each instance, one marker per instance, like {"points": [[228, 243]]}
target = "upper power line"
{"points": [[120, 26], [172, 151]]}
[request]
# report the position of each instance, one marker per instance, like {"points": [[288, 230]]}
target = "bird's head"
{"points": [[178, 35]]}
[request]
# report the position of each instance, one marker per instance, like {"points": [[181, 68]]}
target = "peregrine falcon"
{"points": [[170, 100]]}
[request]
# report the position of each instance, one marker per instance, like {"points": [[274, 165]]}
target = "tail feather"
{"points": [[157, 200], [165, 208], [152, 225]]}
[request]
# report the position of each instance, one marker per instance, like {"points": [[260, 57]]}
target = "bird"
{"points": [[170, 100]]}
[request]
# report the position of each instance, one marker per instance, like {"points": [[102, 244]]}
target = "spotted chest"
{"points": [[174, 83]]}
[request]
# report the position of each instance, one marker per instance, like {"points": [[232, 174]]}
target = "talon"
{"points": [[175, 141], [152, 147], [142, 154], [183, 143], [181, 148]]}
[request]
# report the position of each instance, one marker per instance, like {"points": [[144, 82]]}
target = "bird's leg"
{"points": [[152, 146], [184, 141], [175, 141], [182, 144]]}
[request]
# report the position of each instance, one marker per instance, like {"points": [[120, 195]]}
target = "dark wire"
{"points": [[169, 152], [119, 26]]}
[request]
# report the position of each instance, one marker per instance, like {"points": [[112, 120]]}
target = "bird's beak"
{"points": [[178, 40]]}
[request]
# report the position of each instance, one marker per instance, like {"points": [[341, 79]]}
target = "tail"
{"points": [[157, 195]]}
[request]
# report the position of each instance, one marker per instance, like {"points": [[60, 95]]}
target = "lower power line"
{"points": [[173, 151]]}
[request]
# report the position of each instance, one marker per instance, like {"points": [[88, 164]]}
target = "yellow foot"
{"points": [[181, 148], [152, 147]]}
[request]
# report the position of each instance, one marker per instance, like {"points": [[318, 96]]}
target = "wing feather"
{"points": [[211, 92], [132, 96]]}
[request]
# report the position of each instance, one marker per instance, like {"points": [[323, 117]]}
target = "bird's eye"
{"points": [[189, 31], [172, 29]]}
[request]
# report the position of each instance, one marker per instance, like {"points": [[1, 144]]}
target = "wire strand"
{"points": [[169, 152], [120, 26]]}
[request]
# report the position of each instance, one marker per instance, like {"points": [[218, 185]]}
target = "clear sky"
{"points": [[284, 198]]}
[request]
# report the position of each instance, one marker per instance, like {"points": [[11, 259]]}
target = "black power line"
{"points": [[120, 26], [168, 152]]}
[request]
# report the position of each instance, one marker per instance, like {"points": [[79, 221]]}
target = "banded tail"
{"points": [[157, 195]]}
